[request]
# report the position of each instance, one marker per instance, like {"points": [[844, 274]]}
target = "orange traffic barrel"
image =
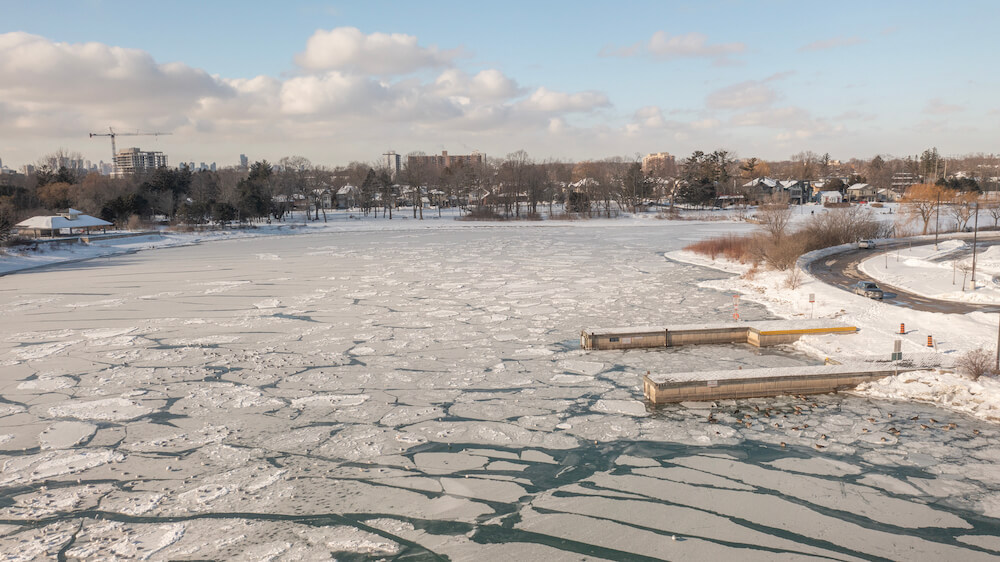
{"points": [[930, 341]]}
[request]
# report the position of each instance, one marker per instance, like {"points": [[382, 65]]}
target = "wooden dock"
{"points": [[761, 334], [755, 383]]}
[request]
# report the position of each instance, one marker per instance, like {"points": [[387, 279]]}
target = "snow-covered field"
{"points": [[420, 391], [943, 273]]}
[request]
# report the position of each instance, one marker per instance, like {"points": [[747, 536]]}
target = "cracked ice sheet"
{"points": [[419, 378]]}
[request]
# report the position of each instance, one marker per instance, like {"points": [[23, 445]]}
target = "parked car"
{"points": [[868, 289], [866, 244]]}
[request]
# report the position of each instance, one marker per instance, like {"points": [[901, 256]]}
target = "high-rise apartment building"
{"points": [[244, 161], [661, 164], [131, 161], [445, 160], [392, 163]]}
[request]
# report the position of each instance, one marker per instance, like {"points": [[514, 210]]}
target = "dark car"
{"points": [[868, 289]]}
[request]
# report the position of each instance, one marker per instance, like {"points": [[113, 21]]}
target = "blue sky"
{"points": [[342, 81]]}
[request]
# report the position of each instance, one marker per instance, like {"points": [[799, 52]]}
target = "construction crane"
{"points": [[114, 152]]}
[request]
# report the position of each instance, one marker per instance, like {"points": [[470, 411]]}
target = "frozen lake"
{"points": [[422, 394]]}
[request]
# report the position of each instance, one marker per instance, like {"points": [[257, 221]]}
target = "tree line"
{"points": [[513, 186]]}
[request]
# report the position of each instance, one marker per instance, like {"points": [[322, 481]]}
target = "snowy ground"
{"points": [[952, 335], [943, 273], [420, 391]]}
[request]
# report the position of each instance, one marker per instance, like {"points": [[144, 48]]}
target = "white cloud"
{"points": [[331, 93], [789, 123], [650, 117], [775, 118], [109, 81], [348, 49], [58, 90], [550, 101], [664, 46], [745, 94], [705, 124], [832, 43], [486, 85], [937, 106]]}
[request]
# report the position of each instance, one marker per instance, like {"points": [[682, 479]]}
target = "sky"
{"points": [[337, 82]]}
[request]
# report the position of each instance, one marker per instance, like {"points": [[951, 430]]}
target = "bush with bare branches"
{"points": [[794, 279], [775, 246], [977, 363], [842, 226], [732, 247]]}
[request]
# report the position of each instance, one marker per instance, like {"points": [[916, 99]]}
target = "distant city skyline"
{"points": [[337, 81]]}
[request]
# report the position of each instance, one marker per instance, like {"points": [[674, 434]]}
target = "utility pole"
{"points": [[937, 221], [975, 233]]}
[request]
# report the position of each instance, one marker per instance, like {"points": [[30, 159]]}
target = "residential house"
{"points": [[798, 191], [831, 197], [861, 192], [348, 197]]}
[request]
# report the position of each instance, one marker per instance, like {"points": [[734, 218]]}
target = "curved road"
{"points": [[841, 270]]}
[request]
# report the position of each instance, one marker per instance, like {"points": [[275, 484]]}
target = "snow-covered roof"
{"points": [[347, 190], [769, 182], [788, 184], [70, 219], [858, 187]]}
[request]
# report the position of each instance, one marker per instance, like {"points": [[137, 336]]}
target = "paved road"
{"points": [[841, 270]]}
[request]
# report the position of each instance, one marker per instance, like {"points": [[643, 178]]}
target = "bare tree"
{"points": [[775, 215], [921, 201], [961, 208], [808, 163], [417, 173], [993, 208], [513, 176]]}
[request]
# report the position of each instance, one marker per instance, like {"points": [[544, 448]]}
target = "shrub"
{"points": [[135, 223], [781, 253], [977, 363], [794, 279], [564, 217], [482, 214], [668, 213], [731, 246]]}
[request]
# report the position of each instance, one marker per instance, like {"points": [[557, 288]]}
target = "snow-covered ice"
{"points": [[419, 391]]}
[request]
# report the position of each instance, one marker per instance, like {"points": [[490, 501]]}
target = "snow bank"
{"points": [[977, 398]]}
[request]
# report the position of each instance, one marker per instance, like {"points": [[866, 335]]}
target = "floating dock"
{"points": [[761, 334], [756, 383]]}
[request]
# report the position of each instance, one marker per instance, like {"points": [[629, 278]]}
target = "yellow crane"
{"points": [[114, 152]]}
